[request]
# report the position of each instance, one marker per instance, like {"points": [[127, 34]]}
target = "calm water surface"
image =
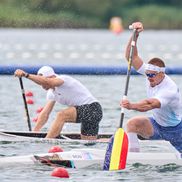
{"points": [[35, 47]]}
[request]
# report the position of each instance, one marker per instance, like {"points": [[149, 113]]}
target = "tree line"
{"points": [[163, 14]]}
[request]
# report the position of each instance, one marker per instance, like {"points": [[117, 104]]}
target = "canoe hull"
{"points": [[83, 158]]}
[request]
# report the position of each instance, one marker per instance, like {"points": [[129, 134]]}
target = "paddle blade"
{"points": [[116, 152]]}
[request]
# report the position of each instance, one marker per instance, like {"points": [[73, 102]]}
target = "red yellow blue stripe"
{"points": [[119, 150]]}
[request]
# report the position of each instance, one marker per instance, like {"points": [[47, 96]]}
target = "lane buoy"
{"points": [[29, 94], [35, 119], [60, 172], [30, 101], [39, 109], [55, 149]]}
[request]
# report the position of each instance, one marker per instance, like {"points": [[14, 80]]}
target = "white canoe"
{"points": [[82, 158]]}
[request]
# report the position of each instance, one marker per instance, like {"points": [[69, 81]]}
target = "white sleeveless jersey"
{"points": [[70, 93], [167, 92]]}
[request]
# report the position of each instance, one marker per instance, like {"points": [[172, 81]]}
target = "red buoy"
{"points": [[35, 119], [30, 101], [29, 94], [39, 109], [55, 149], [60, 172]]}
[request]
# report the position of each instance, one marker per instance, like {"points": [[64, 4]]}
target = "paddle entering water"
{"points": [[25, 104], [117, 149]]}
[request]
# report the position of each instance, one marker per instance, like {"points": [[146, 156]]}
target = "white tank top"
{"points": [[71, 93], [167, 92]]}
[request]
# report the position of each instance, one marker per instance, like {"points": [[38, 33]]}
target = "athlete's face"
{"points": [[154, 77], [45, 86]]}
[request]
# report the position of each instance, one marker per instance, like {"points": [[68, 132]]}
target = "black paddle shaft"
{"points": [[128, 72], [25, 104]]}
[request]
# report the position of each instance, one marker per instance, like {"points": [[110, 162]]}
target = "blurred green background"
{"points": [[155, 14]]}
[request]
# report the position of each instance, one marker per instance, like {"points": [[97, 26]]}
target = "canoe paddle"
{"points": [[25, 104], [117, 149]]}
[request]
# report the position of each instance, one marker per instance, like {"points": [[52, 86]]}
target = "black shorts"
{"points": [[89, 115]]}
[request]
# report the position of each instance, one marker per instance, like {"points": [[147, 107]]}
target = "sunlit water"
{"points": [[80, 48]]}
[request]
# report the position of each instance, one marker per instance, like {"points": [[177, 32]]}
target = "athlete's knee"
{"points": [[61, 115], [133, 125], [130, 126], [67, 115]]}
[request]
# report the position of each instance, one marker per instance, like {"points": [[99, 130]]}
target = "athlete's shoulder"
{"points": [[169, 81]]}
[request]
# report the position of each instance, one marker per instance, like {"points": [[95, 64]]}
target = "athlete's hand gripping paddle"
{"points": [[117, 149]]}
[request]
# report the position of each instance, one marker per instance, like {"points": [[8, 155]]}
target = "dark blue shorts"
{"points": [[173, 134]]}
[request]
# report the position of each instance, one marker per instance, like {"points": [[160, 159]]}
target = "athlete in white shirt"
{"points": [[164, 100], [83, 107]]}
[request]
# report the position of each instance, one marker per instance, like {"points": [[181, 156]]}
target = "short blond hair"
{"points": [[157, 61]]}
